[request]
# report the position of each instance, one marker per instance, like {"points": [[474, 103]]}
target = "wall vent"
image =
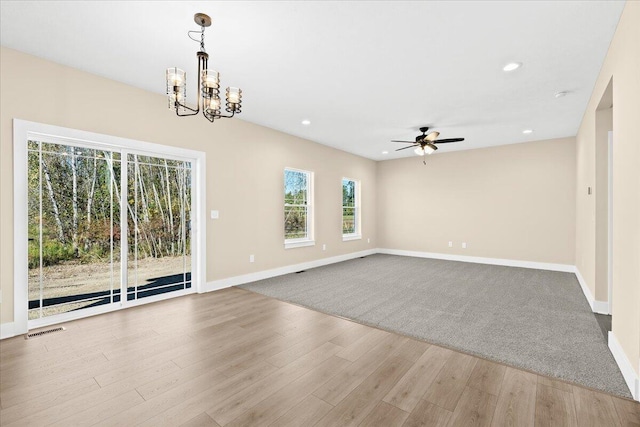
{"points": [[45, 332]]}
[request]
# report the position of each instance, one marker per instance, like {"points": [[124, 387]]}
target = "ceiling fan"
{"points": [[426, 143]]}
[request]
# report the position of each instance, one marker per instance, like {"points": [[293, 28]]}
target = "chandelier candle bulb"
{"points": [[234, 98], [210, 79], [176, 76], [233, 95], [176, 86], [215, 103]]}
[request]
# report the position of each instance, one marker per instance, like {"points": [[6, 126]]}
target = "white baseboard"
{"points": [[260, 275], [7, 330], [600, 307], [630, 376], [482, 260]]}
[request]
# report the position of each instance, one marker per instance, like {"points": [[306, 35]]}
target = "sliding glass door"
{"points": [[103, 223]]}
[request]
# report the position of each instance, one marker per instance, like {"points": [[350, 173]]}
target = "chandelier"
{"points": [[208, 85]]}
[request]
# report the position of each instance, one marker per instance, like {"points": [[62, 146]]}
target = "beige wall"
{"points": [[623, 65], [513, 202], [245, 165]]}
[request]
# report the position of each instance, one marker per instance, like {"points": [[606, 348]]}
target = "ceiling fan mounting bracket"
{"points": [[424, 129]]}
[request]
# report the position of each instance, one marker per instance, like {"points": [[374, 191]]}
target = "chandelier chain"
{"points": [[201, 37]]}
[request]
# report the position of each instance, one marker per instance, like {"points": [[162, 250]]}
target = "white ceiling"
{"points": [[363, 72]]}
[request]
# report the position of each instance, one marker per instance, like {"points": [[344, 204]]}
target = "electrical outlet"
{"points": [[368, 240], [215, 214], [450, 244], [252, 258], [324, 247], [464, 245]]}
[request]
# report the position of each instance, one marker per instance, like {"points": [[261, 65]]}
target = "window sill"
{"points": [[347, 237], [298, 243]]}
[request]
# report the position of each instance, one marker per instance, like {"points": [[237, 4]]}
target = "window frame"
{"points": [[357, 234], [309, 239]]}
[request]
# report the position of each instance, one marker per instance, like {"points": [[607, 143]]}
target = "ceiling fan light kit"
{"points": [[429, 148], [208, 91]]}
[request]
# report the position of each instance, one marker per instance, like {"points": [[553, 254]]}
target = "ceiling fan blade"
{"points": [[432, 136], [408, 142], [444, 141], [408, 146]]}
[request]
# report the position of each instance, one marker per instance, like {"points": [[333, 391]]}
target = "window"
{"points": [[298, 210], [350, 209]]}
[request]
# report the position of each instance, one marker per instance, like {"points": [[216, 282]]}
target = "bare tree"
{"points": [[54, 203], [74, 199]]}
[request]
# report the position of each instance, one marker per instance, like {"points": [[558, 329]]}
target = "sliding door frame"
{"points": [[25, 130]]}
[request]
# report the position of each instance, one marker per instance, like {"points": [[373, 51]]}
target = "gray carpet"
{"points": [[534, 319]]}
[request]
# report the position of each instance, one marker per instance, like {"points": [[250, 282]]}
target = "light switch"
{"points": [[215, 214]]}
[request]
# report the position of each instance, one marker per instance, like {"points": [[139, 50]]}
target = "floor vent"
{"points": [[39, 334]]}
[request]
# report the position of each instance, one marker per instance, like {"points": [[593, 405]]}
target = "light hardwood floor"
{"points": [[236, 358]]}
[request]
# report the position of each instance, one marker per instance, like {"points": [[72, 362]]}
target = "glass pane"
{"points": [[132, 231], [33, 189], [71, 264], [187, 225], [296, 200], [348, 220], [295, 222], [158, 226], [348, 192], [56, 148], [295, 187], [115, 230]]}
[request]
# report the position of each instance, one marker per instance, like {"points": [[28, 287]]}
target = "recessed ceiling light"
{"points": [[527, 131], [560, 94], [512, 66], [385, 152], [306, 122]]}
